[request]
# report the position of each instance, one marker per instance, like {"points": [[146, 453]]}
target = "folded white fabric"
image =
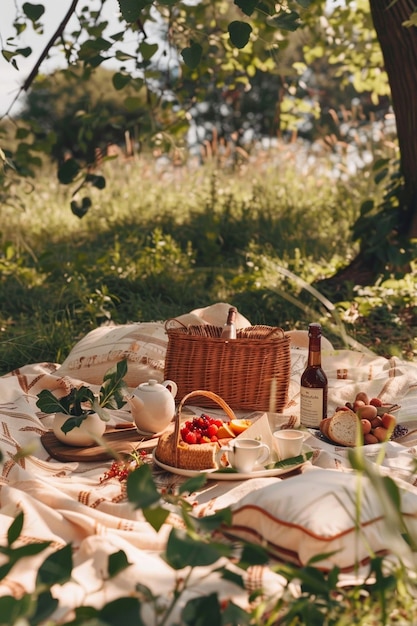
{"points": [[216, 314]]}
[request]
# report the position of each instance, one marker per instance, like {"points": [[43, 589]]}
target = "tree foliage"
{"points": [[84, 112], [169, 55], [174, 54]]}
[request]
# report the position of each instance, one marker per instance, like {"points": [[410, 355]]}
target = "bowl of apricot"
{"points": [[378, 419]]}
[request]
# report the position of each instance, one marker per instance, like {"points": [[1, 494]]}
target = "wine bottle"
{"points": [[313, 391], [229, 329]]}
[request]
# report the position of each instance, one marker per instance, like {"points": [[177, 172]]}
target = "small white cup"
{"points": [[244, 454], [289, 443]]}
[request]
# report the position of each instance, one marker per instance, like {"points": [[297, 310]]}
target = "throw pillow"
{"points": [[143, 345], [314, 514]]}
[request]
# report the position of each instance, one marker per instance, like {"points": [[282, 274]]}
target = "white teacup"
{"points": [[243, 454], [289, 443]]}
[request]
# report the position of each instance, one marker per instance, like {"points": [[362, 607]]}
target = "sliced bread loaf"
{"points": [[343, 428], [324, 426]]}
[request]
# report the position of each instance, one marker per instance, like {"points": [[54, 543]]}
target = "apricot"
{"points": [[375, 402], [388, 421], [370, 438], [358, 404], [367, 412], [366, 426], [380, 433], [376, 421], [362, 397]]}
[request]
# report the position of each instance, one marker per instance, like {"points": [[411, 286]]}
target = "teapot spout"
{"points": [[136, 404]]}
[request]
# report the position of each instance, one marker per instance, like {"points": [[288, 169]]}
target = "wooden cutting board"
{"points": [[120, 440]]}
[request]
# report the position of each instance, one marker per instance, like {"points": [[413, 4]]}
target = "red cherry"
{"points": [[375, 402]]}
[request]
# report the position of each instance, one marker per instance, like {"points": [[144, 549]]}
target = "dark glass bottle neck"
{"points": [[314, 359], [314, 348]]}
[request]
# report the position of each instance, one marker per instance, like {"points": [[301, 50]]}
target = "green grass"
{"points": [[160, 241]]}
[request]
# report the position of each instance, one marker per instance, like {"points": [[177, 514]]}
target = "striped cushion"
{"points": [[143, 345], [299, 518]]}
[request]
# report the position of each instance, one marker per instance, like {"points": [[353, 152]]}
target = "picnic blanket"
{"points": [[68, 502]]}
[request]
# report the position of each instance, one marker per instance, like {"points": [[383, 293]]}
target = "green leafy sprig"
{"points": [[82, 401]]}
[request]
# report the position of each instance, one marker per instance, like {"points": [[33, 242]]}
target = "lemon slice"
{"points": [[225, 432], [239, 425]]}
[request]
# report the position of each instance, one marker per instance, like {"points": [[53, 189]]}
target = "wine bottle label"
{"points": [[311, 407]]}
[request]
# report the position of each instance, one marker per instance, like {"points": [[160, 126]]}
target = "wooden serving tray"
{"points": [[120, 440]]}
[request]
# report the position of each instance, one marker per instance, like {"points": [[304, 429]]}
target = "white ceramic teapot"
{"points": [[152, 405]]}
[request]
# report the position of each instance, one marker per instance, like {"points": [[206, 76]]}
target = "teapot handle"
{"points": [[171, 386]]}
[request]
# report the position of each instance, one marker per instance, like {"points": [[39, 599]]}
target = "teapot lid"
{"points": [[151, 385]]}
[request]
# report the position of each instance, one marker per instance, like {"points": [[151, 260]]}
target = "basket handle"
{"points": [[274, 331], [199, 392]]}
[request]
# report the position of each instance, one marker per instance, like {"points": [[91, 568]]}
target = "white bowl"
{"points": [[388, 408]]}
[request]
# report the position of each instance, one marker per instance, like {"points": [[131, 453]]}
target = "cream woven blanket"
{"points": [[67, 503]]}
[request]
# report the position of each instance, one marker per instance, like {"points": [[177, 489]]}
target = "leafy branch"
{"points": [[81, 402], [35, 70]]}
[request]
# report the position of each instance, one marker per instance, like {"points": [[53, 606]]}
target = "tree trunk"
{"points": [[399, 48]]}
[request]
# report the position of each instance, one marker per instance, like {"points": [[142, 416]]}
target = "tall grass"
{"points": [[161, 240]]}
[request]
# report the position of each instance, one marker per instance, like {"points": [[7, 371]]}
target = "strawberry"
{"points": [[202, 429], [191, 438], [212, 430]]}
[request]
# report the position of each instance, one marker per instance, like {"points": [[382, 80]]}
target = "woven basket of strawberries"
{"points": [[193, 444]]}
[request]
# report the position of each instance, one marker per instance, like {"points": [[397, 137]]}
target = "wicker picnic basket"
{"points": [[250, 372], [172, 451]]}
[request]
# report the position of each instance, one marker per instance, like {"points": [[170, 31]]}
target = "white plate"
{"points": [[212, 474]]}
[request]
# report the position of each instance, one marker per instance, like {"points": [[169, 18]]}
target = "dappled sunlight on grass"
{"points": [[159, 241]]}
